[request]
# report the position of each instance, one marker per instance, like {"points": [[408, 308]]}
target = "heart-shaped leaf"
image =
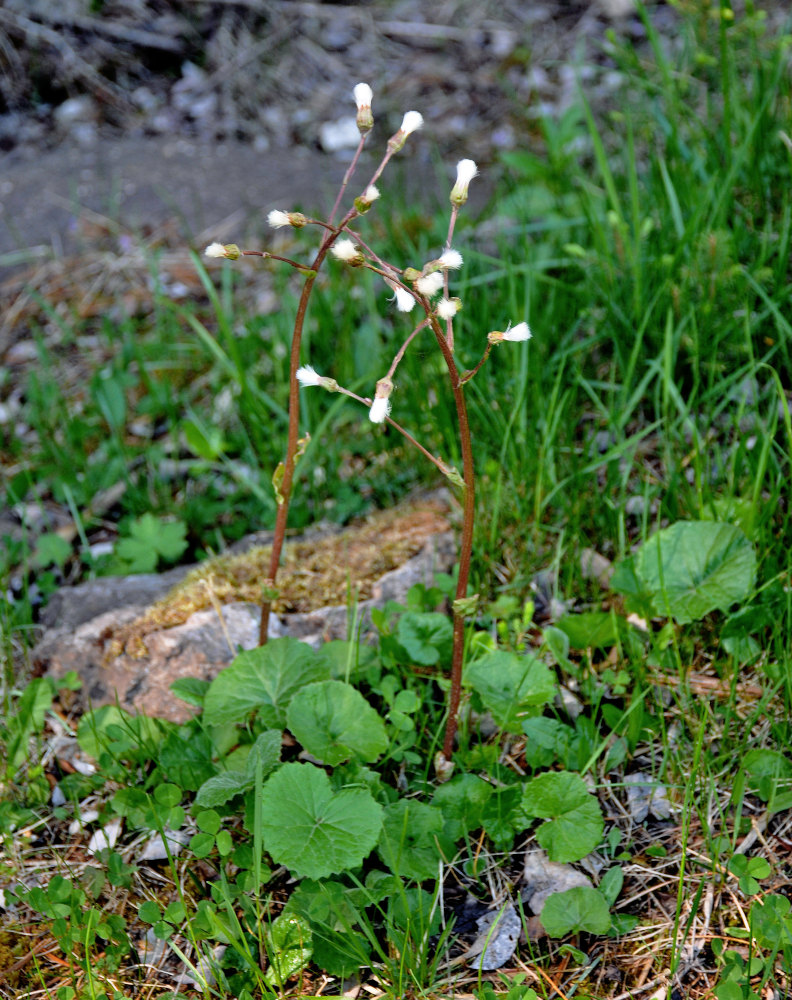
{"points": [[694, 567], [313, 830], [575, 822], [334, 722], [266, 679], [509, 685]]}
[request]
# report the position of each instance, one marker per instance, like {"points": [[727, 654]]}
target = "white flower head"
{"points": [[513, 333], [363, 97], [450, 259], [346, 251], [279, 219], [381, 406], [404, 300], [466, 171], [448, 308], [364, 201], [518, 333], [412, 121], [429, 284], [228, 251], [307, 375]]}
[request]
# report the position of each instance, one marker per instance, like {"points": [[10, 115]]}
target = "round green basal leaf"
{"points": [[510, 685], [313, 830], [266, 679], [578, 909], [425, 635], [694, 567], [334, 723], [412, 840], [575, 823]]}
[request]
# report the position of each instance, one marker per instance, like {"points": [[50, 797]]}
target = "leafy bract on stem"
{"points": [[411, 286]]}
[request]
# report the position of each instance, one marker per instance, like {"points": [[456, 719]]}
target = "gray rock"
{"points": [[544, 877], [84, 619]]}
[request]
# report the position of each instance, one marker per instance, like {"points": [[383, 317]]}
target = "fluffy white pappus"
{"points": [[344, 250], [430, 284], [518, 333], [363, 95], [448, 308], [450, 259], [307, 375], [278, 219], [380, 409], [466, 171], [371, 193], [215, 250], [404, 301], [412, 120]]}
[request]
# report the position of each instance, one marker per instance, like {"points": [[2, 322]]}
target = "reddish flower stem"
{"points": [[465, 542]]}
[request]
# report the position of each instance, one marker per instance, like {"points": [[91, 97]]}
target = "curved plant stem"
{"points": [[285, 485], [466, 541]]}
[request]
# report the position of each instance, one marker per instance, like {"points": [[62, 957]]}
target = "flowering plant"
{"points": [[411, 286]]}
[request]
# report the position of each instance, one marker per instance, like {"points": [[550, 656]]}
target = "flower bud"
{"points": [[363, 97], [364, 201], [307, 375], [279, 219], [513, 333], [348, 253], [412, 120], [466, 171], [227, 251]]}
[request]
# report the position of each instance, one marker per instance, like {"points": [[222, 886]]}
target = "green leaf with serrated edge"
{"points": [[334, 722], [503, 816], [186, 758], [222, 787], [412, 841], [266, 679], [312, 830], [426, 636], [327, 906], [149, 538], [575, 822], [771, 921], [190, 689], [51, 550], [694, 567], [510, 684], [462, 801], [590, 630], [290, 948], [578, 909], [265, 752], [342, 657]]}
